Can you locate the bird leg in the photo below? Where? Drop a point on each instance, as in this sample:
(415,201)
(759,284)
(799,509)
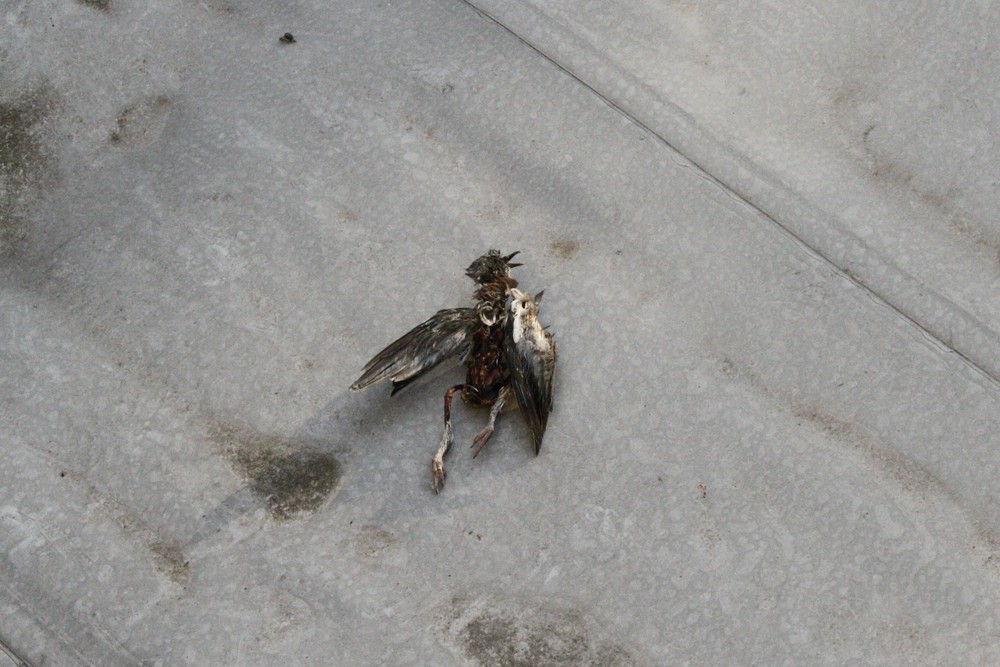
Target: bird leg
(484,436)
(437,465)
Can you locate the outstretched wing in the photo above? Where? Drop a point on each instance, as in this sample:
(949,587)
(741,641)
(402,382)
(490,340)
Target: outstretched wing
(446,334)
(531,367)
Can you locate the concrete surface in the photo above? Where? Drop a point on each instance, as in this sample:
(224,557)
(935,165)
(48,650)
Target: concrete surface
(767,240)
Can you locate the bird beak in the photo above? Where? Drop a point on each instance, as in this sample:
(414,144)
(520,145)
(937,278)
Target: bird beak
(510,257)
(538,297)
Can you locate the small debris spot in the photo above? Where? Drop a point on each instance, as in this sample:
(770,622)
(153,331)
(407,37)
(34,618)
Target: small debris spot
(102,5)
(287,38)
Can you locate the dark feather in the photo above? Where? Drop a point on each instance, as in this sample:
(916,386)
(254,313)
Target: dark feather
(401,385)
(447,334)
(531,378)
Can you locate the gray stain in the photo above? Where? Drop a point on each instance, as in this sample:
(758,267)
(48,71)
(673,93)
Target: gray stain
(102,5)
(141,123)
(289,479)
(22,161)
(499,634)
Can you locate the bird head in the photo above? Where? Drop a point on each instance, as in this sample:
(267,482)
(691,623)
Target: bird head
(490,267)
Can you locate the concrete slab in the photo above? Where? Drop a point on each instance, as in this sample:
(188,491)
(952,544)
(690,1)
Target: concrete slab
(759,453)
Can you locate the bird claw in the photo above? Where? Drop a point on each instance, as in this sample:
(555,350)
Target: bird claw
(480,442)
(437,475)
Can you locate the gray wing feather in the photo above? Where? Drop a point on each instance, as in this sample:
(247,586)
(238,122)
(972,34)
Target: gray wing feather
(446,334)
(531,377)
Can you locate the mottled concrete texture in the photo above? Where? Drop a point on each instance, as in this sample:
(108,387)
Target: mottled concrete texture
(768,240)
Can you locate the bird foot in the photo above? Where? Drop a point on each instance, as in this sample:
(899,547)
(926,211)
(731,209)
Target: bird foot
(480,442)
(437,474)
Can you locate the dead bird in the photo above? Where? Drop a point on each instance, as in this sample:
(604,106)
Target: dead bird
(500,341)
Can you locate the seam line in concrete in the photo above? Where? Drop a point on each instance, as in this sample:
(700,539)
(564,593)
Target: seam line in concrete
(735,194)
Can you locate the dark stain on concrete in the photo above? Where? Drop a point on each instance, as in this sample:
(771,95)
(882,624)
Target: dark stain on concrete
(102,5)
(169,559)
(291,479)
(372,543)
(988,544)
(735,370)
(141,123)
(529,636)
(942,203)
(220,7)
(906,473)
(23,162)
(882,168)
(564,248)
(911,476)
(828,424)
(962,225)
